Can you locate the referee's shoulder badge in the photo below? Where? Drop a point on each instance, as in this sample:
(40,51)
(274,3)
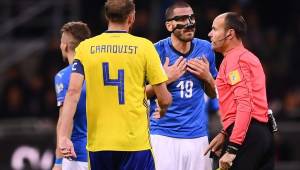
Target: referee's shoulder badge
(234,77)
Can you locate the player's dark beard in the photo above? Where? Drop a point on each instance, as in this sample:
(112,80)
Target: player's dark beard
(179,34)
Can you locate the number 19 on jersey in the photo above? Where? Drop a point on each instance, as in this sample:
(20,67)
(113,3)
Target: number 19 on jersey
(186,88)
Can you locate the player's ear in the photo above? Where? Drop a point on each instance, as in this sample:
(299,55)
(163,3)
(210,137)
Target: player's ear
(231,33)
(169,26)
(131,18)
(65,47)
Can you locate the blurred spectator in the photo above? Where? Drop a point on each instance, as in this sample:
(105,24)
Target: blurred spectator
(13,101)
(291,104)
(35,95)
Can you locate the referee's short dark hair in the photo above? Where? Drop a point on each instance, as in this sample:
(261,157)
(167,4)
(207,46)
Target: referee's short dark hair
(118,10)
(236,22)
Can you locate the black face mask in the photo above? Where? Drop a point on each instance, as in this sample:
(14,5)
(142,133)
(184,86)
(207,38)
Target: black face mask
(185,26)
(182,18)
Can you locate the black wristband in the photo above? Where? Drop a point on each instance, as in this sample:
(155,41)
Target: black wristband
(232,150)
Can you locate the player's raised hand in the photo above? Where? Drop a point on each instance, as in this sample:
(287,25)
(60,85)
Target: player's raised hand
(176,70)
(66,148)
(216,144)
(199,67)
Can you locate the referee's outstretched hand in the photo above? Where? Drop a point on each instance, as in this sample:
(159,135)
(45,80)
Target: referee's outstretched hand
(216,144)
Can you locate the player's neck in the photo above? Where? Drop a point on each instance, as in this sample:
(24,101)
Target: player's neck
(117,27)
(70,57)
(181,46)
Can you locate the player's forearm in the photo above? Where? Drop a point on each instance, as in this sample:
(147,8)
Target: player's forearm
(164,98)
(164,104)
(68,112)
(209,87)
(149,91)
(57,152)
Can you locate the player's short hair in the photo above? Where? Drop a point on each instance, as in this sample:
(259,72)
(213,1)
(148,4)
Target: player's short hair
(236,22)
(118,10)
(79,31)
(170,10)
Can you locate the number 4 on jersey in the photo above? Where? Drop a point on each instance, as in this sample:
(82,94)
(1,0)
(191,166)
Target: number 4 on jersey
(114,82)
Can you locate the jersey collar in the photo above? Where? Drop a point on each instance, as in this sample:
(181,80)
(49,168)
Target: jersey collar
(178,52)
(115,31)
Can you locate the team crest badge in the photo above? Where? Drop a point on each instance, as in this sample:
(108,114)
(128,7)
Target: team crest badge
(234,77)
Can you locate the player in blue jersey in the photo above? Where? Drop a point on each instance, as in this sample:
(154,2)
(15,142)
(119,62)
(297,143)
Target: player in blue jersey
(72,34)
(179,139)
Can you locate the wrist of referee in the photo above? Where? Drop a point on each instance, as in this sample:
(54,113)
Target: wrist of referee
(232,148)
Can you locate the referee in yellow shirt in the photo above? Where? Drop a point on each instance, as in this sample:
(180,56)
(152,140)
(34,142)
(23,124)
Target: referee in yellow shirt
(115,65)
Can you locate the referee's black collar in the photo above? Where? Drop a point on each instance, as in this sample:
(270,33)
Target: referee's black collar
(115,31)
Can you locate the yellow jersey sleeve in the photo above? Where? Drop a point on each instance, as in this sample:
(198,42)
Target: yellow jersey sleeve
(78,52)
(155,73)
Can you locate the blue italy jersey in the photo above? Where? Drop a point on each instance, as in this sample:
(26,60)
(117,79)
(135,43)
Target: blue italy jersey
(186,117)
(79,132)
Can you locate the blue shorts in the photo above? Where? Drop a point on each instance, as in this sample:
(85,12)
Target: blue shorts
(121,160)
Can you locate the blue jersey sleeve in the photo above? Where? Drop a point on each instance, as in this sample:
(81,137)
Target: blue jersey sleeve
(61,88)
(159,46)
(77,67)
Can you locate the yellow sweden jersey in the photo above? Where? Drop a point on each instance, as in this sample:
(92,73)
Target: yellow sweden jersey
(116,66)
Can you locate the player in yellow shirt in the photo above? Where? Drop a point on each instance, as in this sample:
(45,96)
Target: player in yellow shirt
(115,65)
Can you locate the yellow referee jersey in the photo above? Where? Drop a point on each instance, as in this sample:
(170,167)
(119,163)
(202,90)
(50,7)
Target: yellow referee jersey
(116,67)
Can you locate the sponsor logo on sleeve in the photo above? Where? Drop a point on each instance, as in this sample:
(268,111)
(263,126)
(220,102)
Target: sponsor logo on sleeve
(59,87)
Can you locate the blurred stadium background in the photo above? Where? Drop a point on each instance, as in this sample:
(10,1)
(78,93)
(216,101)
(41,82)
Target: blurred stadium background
(30,57)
